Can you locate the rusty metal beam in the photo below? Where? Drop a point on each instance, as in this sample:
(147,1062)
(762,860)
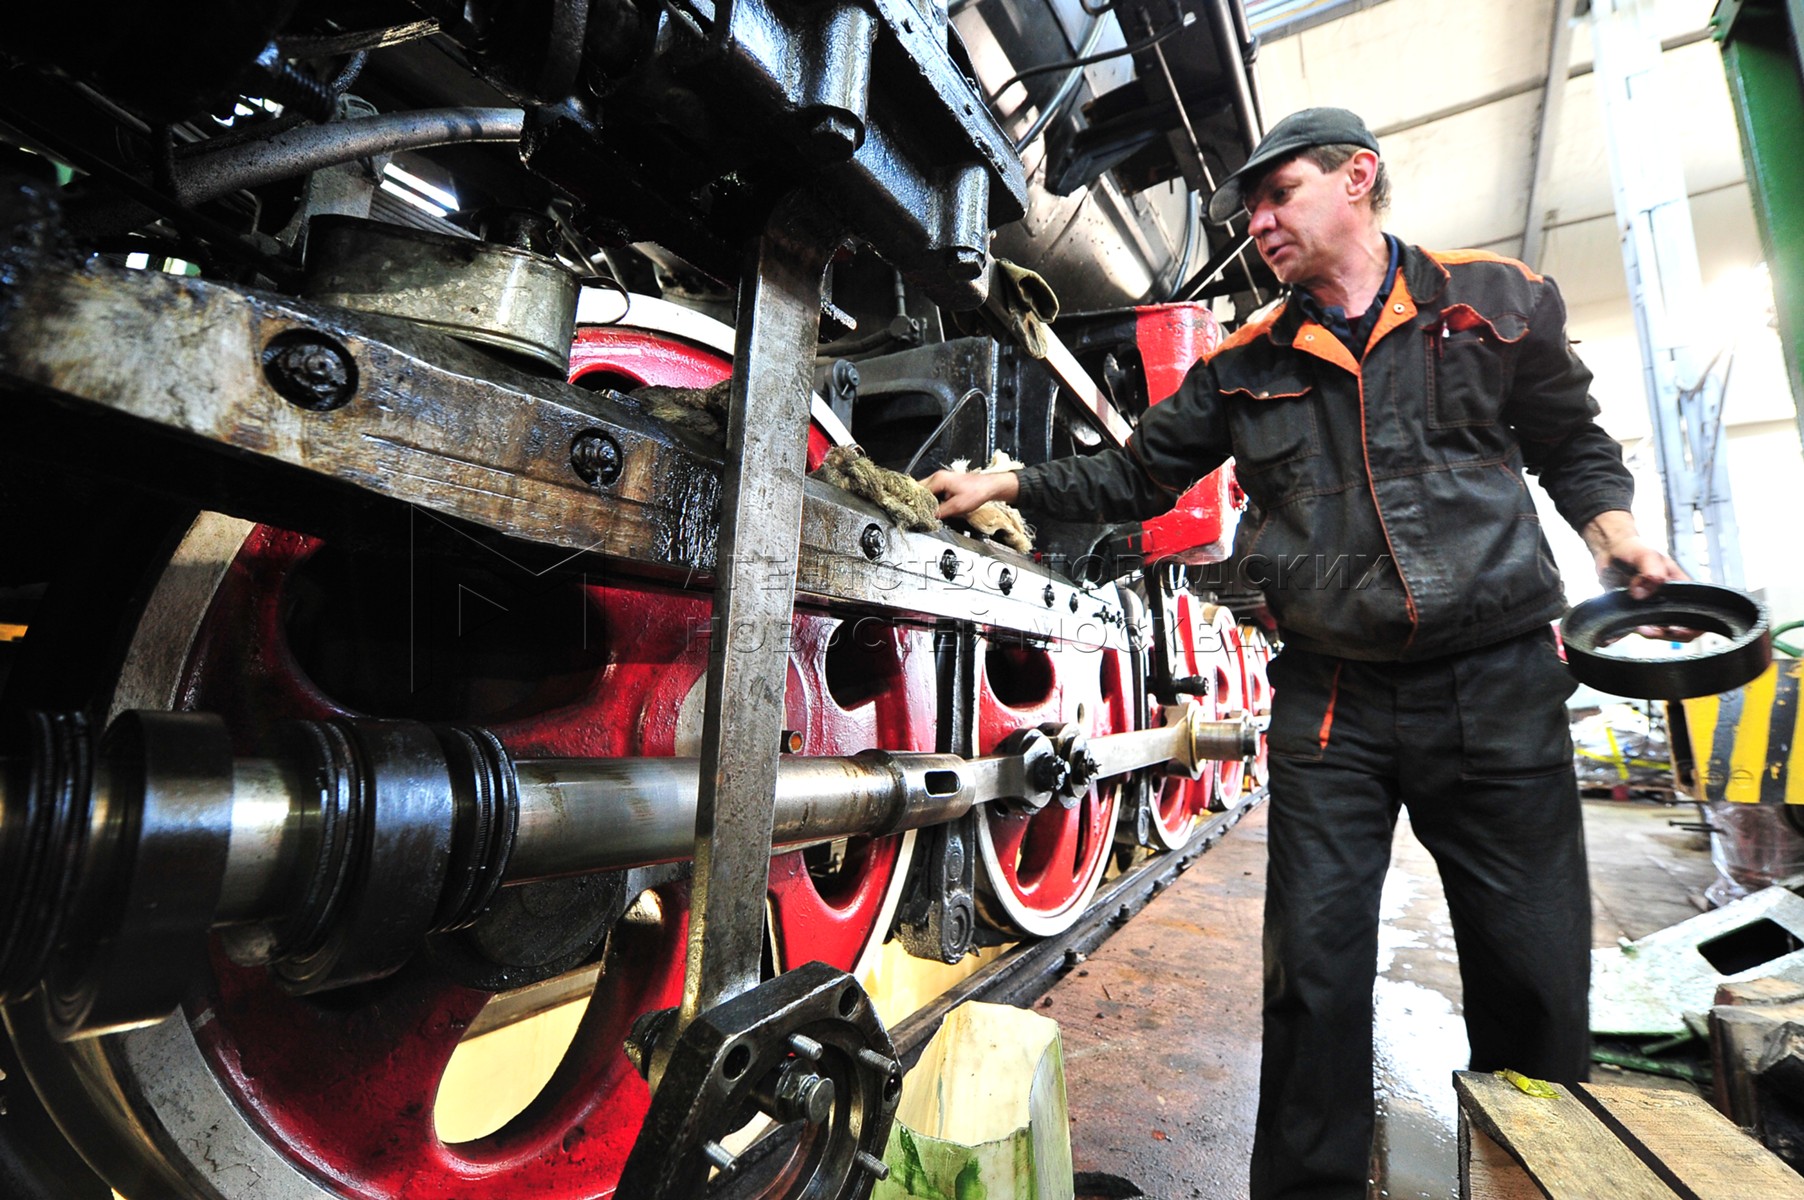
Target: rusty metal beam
(754,597)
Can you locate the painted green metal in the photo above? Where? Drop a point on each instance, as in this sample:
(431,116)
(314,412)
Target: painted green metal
(1760,42)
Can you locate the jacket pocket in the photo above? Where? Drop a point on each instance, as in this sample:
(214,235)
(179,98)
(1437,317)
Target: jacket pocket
(1272,424)
(1305,687)
(1469,364)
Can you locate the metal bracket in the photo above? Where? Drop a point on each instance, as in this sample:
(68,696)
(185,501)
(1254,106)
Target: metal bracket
(938,916)
(754,596)
(805,1049)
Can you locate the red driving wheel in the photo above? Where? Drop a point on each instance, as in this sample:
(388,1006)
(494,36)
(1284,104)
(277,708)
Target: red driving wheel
(1181,801)
(1038,870)
(1256,655)
(333,1095)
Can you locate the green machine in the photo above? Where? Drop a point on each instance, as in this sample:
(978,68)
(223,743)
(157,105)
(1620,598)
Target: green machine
(1760,42)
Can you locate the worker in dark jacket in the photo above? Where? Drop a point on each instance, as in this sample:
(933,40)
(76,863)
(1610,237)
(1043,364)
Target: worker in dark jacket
(1386,410)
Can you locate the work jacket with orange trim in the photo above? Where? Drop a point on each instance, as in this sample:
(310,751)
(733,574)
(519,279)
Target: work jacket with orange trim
(1390,519)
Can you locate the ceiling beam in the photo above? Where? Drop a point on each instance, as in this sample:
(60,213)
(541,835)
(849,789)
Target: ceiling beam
(1282,19)
(1553,99)
(1512,90)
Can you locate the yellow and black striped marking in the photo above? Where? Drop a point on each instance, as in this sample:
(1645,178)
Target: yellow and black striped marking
(1749,734)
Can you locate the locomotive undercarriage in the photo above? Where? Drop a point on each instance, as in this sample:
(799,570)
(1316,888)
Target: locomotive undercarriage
(379,687)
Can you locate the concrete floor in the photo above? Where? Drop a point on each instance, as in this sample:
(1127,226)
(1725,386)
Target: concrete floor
(1161,1025)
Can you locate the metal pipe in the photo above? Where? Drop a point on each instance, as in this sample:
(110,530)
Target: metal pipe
(313,147)
(1221,25)
(1193,219)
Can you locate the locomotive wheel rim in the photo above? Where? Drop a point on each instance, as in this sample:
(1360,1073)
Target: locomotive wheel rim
(1036,872)
(154,1109)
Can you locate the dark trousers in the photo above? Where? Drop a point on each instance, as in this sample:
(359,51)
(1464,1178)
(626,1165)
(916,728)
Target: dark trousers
(1477,746)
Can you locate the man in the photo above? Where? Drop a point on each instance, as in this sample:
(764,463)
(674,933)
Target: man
(1385,411)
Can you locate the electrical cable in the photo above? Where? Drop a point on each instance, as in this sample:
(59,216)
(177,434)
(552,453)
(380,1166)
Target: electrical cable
(347,75)
(1145,43)
(933,437)
(1787,647)
(1067,92)
(1213,269)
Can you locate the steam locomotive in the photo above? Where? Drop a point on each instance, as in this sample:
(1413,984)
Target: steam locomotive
(456,565)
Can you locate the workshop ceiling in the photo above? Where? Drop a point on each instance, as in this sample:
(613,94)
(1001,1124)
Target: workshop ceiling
(1454,90)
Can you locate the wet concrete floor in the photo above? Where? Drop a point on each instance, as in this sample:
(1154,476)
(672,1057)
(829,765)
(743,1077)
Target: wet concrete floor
(1161,1025)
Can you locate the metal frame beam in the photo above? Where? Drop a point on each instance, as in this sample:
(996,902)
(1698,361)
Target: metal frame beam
(1553,101)
(1763,54)
(754,596)
(1659,248)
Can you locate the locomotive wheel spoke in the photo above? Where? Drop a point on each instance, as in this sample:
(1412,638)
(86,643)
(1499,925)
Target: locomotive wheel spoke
(1222,657)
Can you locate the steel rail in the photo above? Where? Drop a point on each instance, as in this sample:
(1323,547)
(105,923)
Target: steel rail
(1029,970)
(1020,975)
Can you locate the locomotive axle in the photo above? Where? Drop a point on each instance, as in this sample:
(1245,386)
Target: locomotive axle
(331,854)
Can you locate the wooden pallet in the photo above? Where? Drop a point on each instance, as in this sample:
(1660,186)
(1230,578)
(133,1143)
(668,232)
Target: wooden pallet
(1607,1142)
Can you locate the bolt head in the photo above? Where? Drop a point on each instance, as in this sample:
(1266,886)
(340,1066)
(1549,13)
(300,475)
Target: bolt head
(596,458)
(834,136)
(310,370)
(871,541)
(804,1095)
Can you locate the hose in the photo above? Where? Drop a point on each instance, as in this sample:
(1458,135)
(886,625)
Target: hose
(1787,647)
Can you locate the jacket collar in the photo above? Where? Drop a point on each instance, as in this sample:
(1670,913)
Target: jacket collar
(1426,277)
(1421,274)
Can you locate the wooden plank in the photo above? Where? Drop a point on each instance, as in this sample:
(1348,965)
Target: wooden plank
(1703,1150)
(1486,1170)
(1563,1147)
